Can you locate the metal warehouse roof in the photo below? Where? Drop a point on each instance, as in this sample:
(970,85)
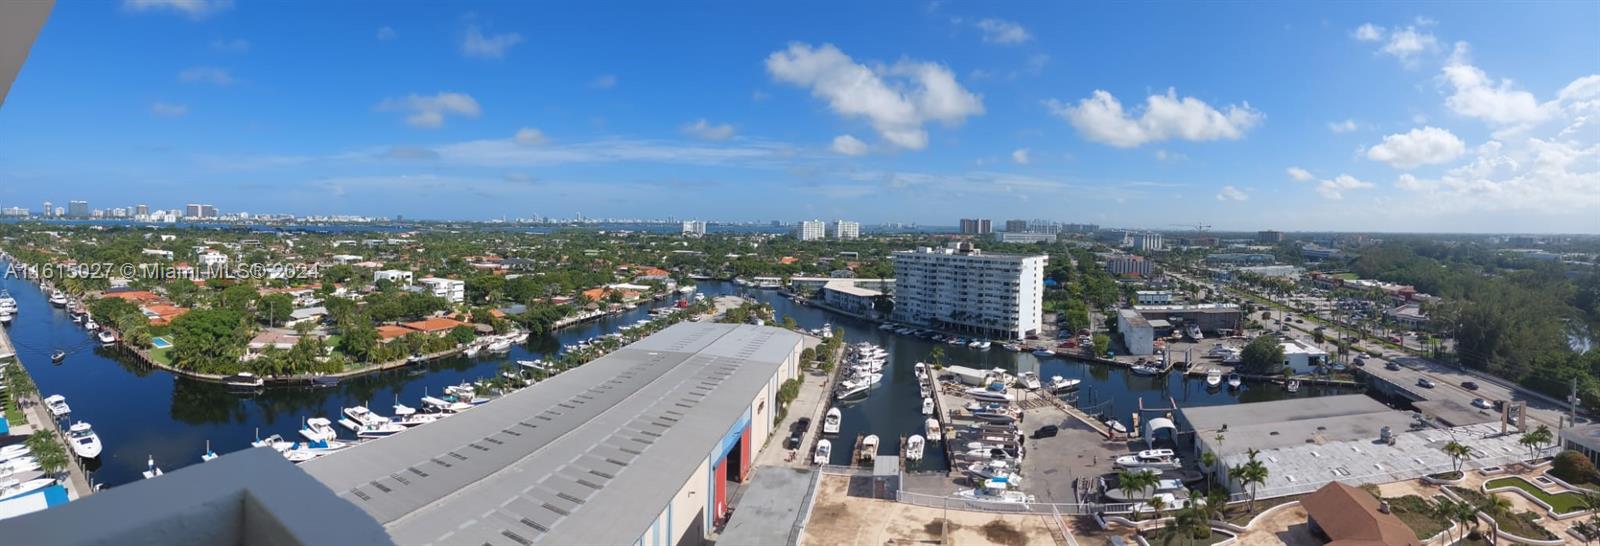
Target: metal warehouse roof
(592,455)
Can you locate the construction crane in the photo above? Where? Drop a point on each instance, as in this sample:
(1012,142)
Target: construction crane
(1198,227)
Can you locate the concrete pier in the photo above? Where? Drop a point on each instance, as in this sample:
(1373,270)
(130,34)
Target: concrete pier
(39,418)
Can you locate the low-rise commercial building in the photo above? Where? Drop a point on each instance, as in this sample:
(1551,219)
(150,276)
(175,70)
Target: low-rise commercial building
(1301,357)
(1239,258)
(1153,297)
(1210,317)
(845,295)
(1024,237)
(1137,333)
(1583,439)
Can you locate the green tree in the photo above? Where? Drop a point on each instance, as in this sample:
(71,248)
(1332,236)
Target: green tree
(1536,439)
(936,354)
(1136,482)
(1573,467)
(1102,345)
(209,340)
(275,309)
(1457,453)
(1263,355)
(359,339)
(1251,475)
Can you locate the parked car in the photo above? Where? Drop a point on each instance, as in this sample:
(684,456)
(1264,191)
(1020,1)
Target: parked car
(1469,385)
(1361,361)
(1047,431)
(803,425)
(1424,383)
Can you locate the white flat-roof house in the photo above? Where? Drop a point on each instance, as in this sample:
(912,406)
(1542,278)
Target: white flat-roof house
(961,288)
(1302,358)
(396,276)
(450,289)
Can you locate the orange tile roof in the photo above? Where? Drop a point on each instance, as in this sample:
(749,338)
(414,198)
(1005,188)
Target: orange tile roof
(389,331)
(434,324)
(655,272)
(786,260)
(595,294)
(137,296)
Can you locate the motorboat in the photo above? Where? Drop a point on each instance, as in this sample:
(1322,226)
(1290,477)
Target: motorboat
(1011,347)
(995,417)
(91,325)
(1234,380)
(1213,377)
(1060,384)
(996,490)
(10,488)
(5,317)
(824,452)
(209,455)
(988,454)
(1168,501)
(994,468)
(306,451)
(499,346)
(58,299)
(243,380)
(914,447)
(445,406)
(57,405)
(1146,369)
(869,448)
(276,442)
(932,430)
(18,465)
(84,441)
(58,356)
(1116,494)
(1193,330)
(471,350)
(927,406)
(419,419)
(367,424)
(1219,351)
(1116,426)
(1029,380)
(150,468)
(535,365)
(985,395)
(1292,386)
(318,429)
(852,389)
(1161,459)
(1043,352)
(13,451)
(324,381)
(106,337)
(831,421)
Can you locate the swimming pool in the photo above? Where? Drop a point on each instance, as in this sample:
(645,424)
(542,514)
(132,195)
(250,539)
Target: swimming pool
(161,343)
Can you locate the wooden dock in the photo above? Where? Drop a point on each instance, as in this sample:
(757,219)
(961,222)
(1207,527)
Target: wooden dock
(77,481)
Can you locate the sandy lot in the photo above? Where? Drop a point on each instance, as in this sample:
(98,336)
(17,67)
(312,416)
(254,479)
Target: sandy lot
(838,518)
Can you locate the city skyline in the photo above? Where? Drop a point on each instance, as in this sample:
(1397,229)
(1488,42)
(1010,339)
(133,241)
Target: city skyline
(1340,118)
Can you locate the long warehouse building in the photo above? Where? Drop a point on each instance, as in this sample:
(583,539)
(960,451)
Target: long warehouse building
(636,447)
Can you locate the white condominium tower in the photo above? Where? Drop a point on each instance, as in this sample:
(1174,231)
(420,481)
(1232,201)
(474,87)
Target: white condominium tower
(845,229)
(960,288)
(694,227)
(813,230)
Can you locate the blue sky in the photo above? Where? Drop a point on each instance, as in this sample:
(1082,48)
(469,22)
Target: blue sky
(1299,116)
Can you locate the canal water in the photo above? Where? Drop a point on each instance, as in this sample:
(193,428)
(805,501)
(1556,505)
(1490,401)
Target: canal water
(141,412)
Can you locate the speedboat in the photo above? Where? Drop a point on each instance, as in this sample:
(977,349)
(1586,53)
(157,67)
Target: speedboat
(1146,369)
(927,406)
(209,455)
(996,490)
(996,417)
(17,465)
(1060,384)
(1116,426)
(1043,352)
(500,346)
(84,441)
(1162,459)
(150,468)
(58,356)
(243,380)
(5,317)
(1193,329)
(824,452)
(931,427)
(444,406)
(1213,377)
(306,451)
(985,395)
(419,419)
(13,451)
(1162,485)
(58,299)
(366,424)
(1293,386)
(106,337)
(276,442)
(990,469)
(1029,380)
(1234,380)
(318,429)
(1011,347)
(12,488)
(869,448)
(914,447)
(57,405)
(91,325)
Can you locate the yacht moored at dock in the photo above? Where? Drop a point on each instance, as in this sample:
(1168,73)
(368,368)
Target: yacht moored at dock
(85,442)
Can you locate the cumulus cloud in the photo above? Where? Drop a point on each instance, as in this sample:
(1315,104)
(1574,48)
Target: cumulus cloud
(429,112)
(205,74)
(1425,146)
(530,136)
(1368,32)
(1535,175)
(1335,187)
(478,45)
(1001,31)
(1163,155)
(848,145)
(1406,44)
(386,33)
(194,9)
(1020,156)
(1299,174)
(707,130)
(1100,118)
(1477,95)
(1230,193)
(1342,126)
(168,109)
(603,81)
(896,99)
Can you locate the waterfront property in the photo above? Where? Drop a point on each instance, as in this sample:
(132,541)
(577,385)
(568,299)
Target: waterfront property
(1138,335)
(844,295)
(1348,516)
(1210,317)
(964,289)
(1583,439)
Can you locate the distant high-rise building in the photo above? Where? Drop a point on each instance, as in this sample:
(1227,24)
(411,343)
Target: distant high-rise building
(1269,236)
(776,223)
(1129,266)
(975,226)
(694,228)
(812,230)
(845,229)
(59,212)
(1043,226)
(78,209)
(48,210)
(191,210)
(1148,241)
(1016,226)
(142,210)
(14,211)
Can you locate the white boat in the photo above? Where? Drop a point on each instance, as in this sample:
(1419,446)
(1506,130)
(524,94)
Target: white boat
(1116,426)
(927,406)
(996,490)
(150,468)
(12,488)
(276,442)
(869,448)
(824,452)
(5,317)
(445,406)
(1219,351)
(1234,380)
(990,469)
(914,447)
(500,346)
(535,365)
(1043,352)
(920,370)
(1060,384)
(306,451)
(986,395)
(58,299)
(84,440)
(1293,386)
(419,419)
(13,451)
(1029,380)
(243,380)
(1163,459)
(402,410)
(1213,377)
(367,424)
(318,429)
(996,417)
(57,405)
(18,465)
(106,337)
(91,325)
(1161,486)
(1193,329)
(1146,369)
(931,427)
(209,455)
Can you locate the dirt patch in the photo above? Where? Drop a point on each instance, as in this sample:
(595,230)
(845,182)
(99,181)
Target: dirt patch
(937,527)
(1000,532)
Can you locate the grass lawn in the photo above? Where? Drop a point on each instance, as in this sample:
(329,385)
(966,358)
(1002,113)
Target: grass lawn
(1163,538)
(1562,503)
(164,356)
(1517,524)
(1240,513)
(1347,276)
(1416,512)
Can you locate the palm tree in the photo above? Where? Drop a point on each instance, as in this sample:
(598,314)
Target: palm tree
(1536,439)
(1156,504)
(1131,482)
(1208,461)
(1251,475)
(936,354)
(1457,453)
(1495,505)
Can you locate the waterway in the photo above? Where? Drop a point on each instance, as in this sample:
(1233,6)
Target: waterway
(140,412)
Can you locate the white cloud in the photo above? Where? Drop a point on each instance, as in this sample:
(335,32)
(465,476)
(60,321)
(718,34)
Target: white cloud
(848,145)
(168,110)
(1406,44)
(1425,146)
(604,81)
(1001,31)
(1478,96)
(1335,187)
(430,112)
(530,136)
(1368,32)
(1230,193)
(1101,118)
(1020,156)
(707,130)
(477,45)
(1342,126)
(238,45)
(195,9)
(1533,175)
(1163,155)
(206,74)
(386,33)
(897,99)
(1299,174)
